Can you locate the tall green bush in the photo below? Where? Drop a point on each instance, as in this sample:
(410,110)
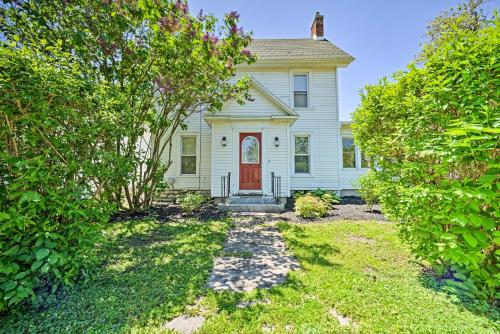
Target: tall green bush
(53,164)
(91,94)
(163,61)
(369,189)
(433,132)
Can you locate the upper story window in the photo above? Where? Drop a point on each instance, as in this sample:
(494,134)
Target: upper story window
(188,154)
(300,90)
(302,154)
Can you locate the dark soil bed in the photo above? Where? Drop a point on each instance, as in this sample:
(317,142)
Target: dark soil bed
(350,208)
(169,212)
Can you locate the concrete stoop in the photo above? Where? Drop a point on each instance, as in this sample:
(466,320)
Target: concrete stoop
(252,204)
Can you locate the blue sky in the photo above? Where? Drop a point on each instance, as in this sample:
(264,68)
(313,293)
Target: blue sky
(383,35)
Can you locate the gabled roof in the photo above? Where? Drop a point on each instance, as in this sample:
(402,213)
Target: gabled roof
(273,98)
(298,49)
(288,113)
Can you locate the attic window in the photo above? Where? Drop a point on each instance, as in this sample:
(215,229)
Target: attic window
(300,86)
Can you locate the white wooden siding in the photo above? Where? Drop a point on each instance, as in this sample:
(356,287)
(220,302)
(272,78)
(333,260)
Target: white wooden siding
(319,120)
(201,180)
(226,159)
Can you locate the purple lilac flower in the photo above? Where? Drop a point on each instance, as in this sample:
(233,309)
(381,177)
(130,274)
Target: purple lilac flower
(201,17)
(234,14)
(214,39)
(246,52)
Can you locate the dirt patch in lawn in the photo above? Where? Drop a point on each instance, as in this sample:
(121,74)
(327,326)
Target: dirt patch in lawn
(169,212)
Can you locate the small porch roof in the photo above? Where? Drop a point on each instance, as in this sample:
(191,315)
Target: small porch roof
(288,113)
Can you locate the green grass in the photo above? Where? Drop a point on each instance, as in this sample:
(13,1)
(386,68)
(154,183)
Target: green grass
(151,272)
(373,283)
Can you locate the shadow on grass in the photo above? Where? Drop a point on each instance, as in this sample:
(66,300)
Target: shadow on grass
(438,283)
(147,275)
(310,253)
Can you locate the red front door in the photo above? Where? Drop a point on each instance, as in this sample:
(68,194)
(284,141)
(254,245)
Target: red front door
(251,161)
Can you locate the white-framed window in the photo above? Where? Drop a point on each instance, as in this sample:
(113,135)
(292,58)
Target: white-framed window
(348,153)
(188,154)
(300,90)
(352,156)
(302,154)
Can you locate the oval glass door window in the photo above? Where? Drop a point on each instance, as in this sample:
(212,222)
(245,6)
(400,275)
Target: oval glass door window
(250,150)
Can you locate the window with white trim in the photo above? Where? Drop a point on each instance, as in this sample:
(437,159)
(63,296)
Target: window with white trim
(302,154)
(348,153)
(300,91)
(188,155)
(352,156)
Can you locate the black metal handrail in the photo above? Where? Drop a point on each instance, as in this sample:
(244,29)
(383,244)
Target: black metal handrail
(225,185)
(275,185)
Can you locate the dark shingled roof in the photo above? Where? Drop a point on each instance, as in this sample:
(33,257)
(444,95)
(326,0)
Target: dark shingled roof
(298,48)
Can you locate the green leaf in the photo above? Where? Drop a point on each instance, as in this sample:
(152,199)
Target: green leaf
(45,268)
(42,253)
(470,240)
(30,196)
(53,258)
(22,275)
(23,292)
(36,265)
(9,285)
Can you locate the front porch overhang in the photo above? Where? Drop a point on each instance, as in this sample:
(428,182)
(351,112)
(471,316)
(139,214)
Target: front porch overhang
(212,119)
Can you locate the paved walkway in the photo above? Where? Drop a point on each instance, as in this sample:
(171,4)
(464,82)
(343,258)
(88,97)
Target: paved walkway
(254,256)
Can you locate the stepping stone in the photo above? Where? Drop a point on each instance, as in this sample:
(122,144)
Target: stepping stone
(343,321)
(245,304)
(184,324)
(267,266)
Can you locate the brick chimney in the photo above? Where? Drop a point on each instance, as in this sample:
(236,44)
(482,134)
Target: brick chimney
(317,27)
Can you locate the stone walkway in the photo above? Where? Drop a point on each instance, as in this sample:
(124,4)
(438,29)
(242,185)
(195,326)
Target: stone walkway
(254,256)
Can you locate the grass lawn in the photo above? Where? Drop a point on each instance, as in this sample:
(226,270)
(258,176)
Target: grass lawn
(151,272)
(363,271)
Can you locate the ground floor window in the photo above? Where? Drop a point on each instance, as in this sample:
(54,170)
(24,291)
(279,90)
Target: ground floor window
(348,153)
(188,154)
(302,154)
(352,156)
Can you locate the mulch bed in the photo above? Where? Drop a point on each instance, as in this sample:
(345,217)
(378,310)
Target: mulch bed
(350,208)
(169,212)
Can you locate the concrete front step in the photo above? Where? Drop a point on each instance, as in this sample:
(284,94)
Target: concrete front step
(266,208)
(250,200)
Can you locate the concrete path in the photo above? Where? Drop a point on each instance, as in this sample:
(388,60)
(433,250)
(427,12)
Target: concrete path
(254,256)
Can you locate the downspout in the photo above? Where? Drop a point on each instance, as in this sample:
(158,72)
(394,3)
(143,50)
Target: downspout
(338,130)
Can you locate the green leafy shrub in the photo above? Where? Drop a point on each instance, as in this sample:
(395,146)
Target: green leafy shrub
(434,132)
(309,206)
(326,195)
(46,232)
(55,172)
(369,188)
(191,201)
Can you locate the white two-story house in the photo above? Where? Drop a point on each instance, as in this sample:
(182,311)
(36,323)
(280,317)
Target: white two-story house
(289,138)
